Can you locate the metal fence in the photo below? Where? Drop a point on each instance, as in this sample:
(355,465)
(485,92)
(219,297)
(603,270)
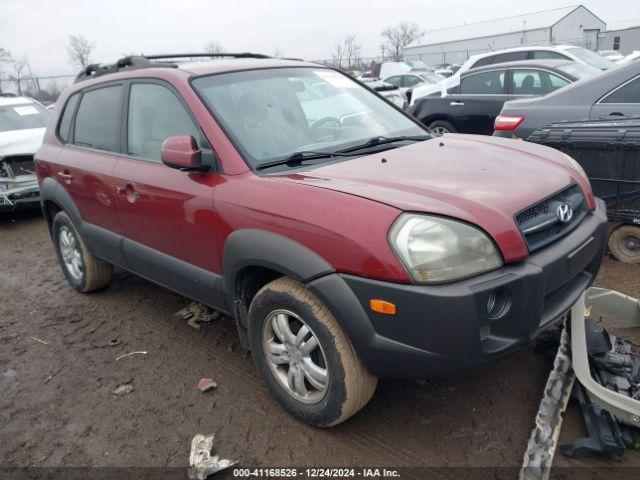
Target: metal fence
(43,88)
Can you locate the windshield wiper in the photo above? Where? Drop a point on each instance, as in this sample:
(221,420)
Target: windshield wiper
(296,159)
(375,141)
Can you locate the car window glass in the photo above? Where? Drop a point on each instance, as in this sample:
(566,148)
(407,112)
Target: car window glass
(21,115)
(509,57)
(155,113)
(67,116)
(483,62)
(547,55)
(629,93)
(536,82)
(98,118)
(411,81)
(485,83)
(397,81)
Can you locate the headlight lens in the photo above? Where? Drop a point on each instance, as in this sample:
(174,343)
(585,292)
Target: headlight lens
(437,250)
(578,168)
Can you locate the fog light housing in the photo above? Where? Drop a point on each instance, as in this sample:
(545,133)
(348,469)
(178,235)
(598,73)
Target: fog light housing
(498,304)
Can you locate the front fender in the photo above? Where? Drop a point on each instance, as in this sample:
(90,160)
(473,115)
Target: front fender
(260,248)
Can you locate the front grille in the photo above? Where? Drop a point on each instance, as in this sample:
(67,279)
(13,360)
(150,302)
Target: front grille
(540,224)
(17,165)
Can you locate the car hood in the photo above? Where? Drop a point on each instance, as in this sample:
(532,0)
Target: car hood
(478,179)
(21,142)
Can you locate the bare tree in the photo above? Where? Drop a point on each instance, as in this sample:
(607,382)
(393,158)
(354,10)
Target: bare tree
(352,51)
(214,47)
(5,57)
(20,73)
(79,50)
(338,54)
(398,37)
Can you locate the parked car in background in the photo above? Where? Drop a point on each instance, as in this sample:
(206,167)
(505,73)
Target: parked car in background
(611,94)
(611,55)
(389,91)
(632,57)
(22,127)
(347,247)
(406,82)
(554,52)
(472,106)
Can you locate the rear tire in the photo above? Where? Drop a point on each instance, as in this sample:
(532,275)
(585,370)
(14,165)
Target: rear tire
(624,244)
(440,127)
(328,399)
(83,270)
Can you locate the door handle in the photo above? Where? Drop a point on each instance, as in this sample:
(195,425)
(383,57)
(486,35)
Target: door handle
(456,104)
(613,114)
(66,176)
(129,191)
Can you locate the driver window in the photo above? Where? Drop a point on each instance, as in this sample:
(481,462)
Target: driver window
(155,113)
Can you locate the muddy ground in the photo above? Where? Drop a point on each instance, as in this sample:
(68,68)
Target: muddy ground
(58,371)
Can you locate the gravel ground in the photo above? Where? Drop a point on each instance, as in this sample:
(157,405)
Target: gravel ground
(58,372)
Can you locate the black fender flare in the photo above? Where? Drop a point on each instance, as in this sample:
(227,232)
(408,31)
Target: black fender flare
(51,190)
(260,248)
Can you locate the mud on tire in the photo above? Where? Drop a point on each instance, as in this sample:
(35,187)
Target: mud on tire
(94,273)
(348,386)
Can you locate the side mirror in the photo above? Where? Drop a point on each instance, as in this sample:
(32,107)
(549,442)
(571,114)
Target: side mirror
(181,152)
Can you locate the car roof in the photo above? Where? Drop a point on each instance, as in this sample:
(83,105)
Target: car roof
(11,100)
(222,65)
(549,64)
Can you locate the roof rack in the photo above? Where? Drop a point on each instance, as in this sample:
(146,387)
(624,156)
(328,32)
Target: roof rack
(135,62)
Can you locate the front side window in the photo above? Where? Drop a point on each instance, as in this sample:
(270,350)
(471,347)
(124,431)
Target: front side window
(271,114)
(155,113)
(397,81)
(67,117)
(536,82)
(22,116)
(411,81)
(485,83)
(628,93)
(98,119)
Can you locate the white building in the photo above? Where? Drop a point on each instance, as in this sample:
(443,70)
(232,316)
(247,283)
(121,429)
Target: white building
(569,25)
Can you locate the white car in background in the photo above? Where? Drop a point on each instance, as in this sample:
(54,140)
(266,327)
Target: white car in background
(611,55)
(408,81)
(551,52)
(633,56)
(23,122)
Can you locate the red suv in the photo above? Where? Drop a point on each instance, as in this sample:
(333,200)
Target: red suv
(348,242)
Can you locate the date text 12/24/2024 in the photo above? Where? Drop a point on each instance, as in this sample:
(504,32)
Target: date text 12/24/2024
(315,473)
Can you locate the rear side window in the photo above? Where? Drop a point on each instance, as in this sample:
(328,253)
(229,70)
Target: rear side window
(509,57)
(411,81)
(485,83)
(629,93)
(155,114)
(397,81)
(98,119)
(536,82)
(65,123)
(546,55)
(483,62)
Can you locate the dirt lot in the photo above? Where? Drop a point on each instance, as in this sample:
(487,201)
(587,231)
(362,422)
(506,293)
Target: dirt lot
(74,419)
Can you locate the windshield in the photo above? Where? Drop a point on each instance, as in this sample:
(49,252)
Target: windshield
(431,77)
(579,70)
(21,116)
(591,58)
(271,114)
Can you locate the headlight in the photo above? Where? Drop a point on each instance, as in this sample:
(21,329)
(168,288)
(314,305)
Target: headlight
(578,168)
(437,250)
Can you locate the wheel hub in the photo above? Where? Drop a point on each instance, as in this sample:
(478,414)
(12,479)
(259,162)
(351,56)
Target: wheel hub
(70,253)
(295,356)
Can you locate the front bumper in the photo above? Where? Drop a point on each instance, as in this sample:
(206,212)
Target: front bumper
(444,330)
(18,193)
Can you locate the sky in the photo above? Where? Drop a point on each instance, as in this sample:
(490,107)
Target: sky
(309,29)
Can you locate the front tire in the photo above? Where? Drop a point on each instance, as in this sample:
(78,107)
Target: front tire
(624,243)
(83,270)
(304,356)
(440,127)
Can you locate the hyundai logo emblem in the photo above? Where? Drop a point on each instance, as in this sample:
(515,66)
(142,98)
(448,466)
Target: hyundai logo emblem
(564,213)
